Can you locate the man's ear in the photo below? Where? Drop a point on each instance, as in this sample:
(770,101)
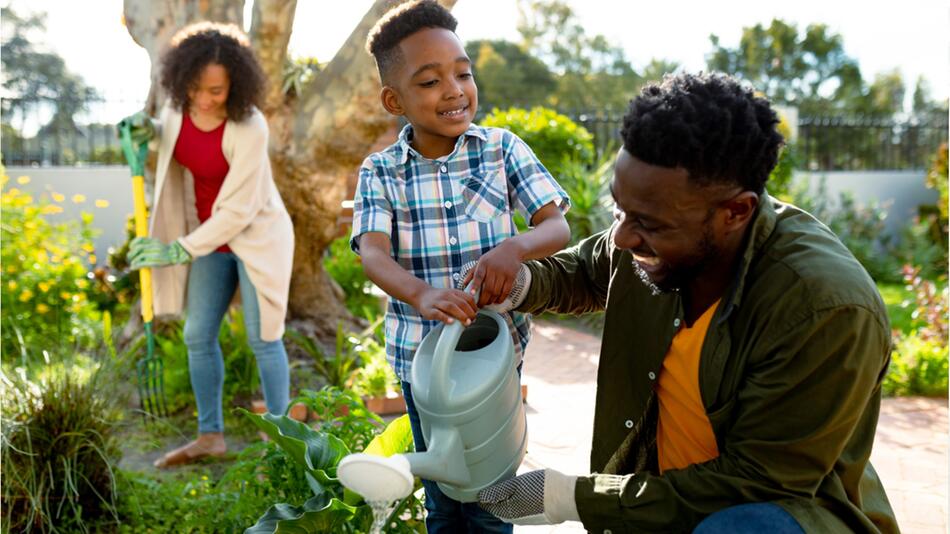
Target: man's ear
(391,101)
(739,210)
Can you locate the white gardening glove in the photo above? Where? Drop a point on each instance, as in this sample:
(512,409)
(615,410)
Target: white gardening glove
(518,291)
(543,497)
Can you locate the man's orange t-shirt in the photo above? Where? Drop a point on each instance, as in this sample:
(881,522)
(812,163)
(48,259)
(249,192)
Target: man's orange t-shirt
(684,435)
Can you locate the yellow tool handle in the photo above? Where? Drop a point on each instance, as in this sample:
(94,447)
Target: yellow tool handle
(141,230)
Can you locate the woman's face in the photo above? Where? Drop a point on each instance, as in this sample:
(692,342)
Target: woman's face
(209,93)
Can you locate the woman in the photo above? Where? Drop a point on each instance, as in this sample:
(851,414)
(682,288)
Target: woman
(218,222)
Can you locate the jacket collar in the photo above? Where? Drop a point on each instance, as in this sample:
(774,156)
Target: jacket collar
(762,227)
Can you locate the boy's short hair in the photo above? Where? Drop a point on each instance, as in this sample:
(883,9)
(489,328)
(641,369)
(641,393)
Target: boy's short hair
(401,22)
(709,124)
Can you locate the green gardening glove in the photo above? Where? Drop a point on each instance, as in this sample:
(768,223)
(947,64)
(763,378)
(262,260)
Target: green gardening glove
(150,252)
(142,127)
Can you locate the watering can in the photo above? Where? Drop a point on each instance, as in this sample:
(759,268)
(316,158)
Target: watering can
(466,389)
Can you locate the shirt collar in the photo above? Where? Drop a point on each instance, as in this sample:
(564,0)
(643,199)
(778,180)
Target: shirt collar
(404,147)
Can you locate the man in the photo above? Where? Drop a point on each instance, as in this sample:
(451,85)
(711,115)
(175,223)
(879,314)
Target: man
(743,348)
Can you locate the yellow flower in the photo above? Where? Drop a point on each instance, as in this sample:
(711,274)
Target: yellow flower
(79,198)
(82,284)
(51,209)
(23,180)
(13,191)
(58,197)
(65,295)
(204,477)
(92,259)
(101,203)
(42,308)
(11,269)
(25,295)
(44,286)
(193,493)
(88,247)
(11,285)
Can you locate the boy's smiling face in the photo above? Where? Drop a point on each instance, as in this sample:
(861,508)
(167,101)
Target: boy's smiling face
(434,88)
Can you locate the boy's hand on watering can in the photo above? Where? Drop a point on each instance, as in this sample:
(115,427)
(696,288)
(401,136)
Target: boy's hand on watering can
(446,305)
(495,273)
(516,293)
(142,128)
(149,252)
(543,497)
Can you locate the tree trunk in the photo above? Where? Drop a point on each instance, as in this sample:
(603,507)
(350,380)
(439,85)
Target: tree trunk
(318,138)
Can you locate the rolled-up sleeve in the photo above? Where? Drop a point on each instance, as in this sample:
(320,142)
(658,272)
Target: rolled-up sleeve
(531,186)
(372,209)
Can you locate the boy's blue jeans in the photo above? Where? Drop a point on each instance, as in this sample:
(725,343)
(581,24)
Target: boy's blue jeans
(445,515)
(211,284)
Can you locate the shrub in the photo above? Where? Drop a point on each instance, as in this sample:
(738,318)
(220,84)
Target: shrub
(58,451)
(554,138)
(43,291)
(780,180)
(346,268)
(376,378)
(589,191)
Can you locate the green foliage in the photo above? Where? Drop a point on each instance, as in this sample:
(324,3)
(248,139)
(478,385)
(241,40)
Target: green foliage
(555,139)
(298,73)
(346,268)
(43,291)
(331,509)
(919,361)
(376,378)
(341,413)
(900,310)
(58,451)
(507,75)
(340,368)
(589,190)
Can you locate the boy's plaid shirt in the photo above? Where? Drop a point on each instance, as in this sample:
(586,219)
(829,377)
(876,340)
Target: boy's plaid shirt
(441,214)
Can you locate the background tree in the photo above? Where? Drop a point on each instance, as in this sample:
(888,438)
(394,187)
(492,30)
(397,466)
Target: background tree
(811,71)
(34,78)
(321,128)
(509,76)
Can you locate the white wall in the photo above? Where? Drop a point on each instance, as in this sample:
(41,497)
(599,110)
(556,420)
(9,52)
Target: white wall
(904,190)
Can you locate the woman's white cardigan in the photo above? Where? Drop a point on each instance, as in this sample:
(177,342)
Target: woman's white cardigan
(248,215)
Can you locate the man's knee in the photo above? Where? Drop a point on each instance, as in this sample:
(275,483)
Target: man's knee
(751,518)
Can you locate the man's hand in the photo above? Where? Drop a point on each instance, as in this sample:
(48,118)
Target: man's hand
(544,497)
(495,273)
(149,252)
(446,305)
(142,127)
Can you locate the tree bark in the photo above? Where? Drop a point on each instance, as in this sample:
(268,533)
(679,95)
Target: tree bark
(317,138)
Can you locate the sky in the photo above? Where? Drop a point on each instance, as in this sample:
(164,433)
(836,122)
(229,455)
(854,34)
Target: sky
(911,35)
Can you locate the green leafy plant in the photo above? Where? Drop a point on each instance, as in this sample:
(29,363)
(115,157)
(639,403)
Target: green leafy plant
(341,413)
(58,451)
(42,293)
(919,361)
(555,139)
(340,368)
(346,268)
(589,190)
(376,378)
(331,508)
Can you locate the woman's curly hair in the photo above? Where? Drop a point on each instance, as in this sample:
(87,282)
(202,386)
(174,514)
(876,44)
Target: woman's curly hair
(204,43)
(709,124)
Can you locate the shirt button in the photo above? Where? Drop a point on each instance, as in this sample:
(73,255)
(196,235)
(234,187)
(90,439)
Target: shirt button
(652,375)
(456,276)
(444,168)
(448,205)
(676,323)
(607,531)
(628,423)
(452,240)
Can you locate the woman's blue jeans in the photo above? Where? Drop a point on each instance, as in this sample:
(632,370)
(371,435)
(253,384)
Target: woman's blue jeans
(211,284)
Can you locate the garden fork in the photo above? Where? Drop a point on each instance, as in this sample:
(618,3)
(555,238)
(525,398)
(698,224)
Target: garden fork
(150,370)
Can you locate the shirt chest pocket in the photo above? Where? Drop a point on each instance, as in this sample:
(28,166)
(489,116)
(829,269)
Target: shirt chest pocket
(485,195)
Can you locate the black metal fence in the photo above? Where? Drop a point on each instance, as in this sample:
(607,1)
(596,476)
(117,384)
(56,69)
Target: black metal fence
(823,143)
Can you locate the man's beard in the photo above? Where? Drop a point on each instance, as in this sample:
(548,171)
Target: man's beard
(679,276)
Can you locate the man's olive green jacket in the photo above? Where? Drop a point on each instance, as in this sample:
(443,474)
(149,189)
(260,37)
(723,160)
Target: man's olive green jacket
(790,376)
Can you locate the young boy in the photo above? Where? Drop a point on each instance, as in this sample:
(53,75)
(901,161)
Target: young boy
(439,198)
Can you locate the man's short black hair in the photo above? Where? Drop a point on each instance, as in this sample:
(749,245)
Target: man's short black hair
(709,124)
(399,23)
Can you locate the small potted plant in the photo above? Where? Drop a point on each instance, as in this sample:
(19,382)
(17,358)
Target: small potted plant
(377,383)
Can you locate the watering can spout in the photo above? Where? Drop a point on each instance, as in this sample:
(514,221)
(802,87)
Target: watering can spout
(443,461)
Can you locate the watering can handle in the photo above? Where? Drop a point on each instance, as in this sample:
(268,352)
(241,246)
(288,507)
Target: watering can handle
(136,160)
(444,351)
